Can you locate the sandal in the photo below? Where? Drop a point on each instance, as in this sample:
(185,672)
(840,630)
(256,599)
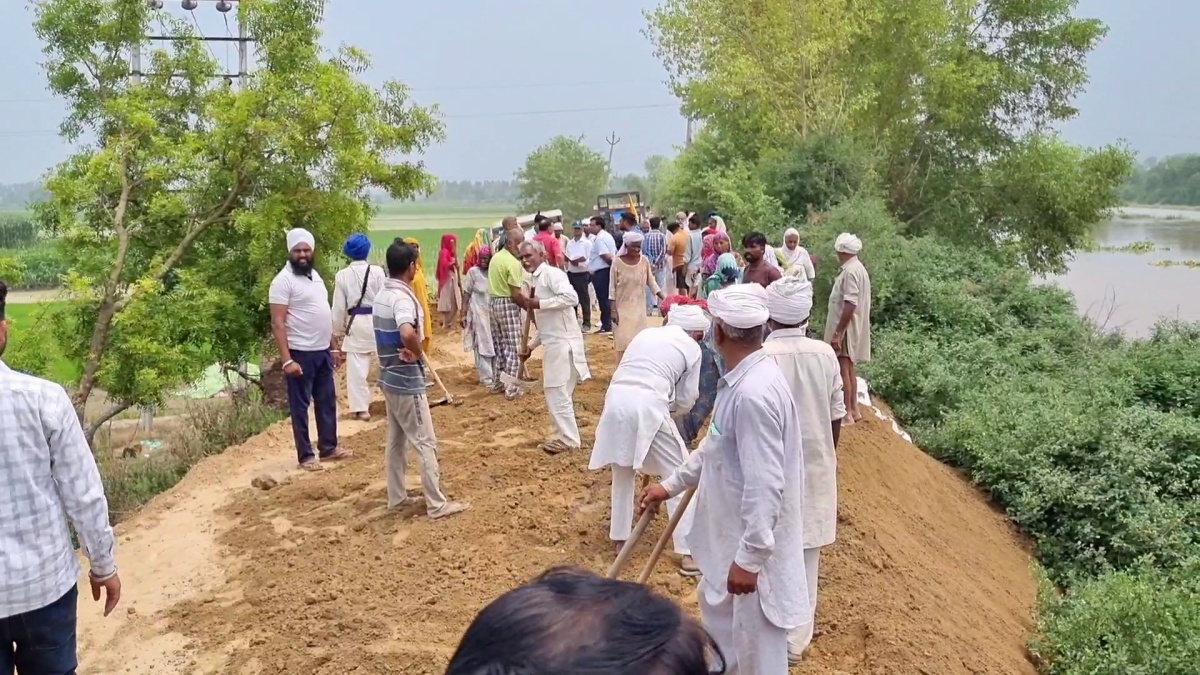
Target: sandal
(553,447)
(338,455)
(311,465)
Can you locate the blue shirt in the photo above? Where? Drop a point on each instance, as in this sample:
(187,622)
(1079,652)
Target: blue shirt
(654,247)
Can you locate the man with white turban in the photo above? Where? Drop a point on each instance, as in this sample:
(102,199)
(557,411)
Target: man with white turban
(302,325)
(848,324)
(747,536)
(814,376)
(796,260)
(660,373)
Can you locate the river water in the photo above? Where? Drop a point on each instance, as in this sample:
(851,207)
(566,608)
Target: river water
(1125,290)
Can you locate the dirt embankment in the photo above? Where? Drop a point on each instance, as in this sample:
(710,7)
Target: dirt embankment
(316,577)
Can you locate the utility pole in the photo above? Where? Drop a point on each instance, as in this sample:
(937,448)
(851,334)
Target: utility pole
(243,71)
(612,144)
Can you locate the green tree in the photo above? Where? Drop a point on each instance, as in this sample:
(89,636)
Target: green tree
(173,218)
(562,174)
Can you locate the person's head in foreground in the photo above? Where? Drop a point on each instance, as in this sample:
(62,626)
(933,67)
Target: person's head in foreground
(568,621)
(681,311)
(533,254)
(754,247)
(632,243)
(789,303)
(847,246)
(739,315)
(300,243)
(3,320)
(628,221)
(401,261)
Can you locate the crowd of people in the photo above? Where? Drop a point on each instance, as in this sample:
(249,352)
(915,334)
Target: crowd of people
(731,363)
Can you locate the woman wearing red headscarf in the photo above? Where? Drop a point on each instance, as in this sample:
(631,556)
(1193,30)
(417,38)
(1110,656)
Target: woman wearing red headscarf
(449,292)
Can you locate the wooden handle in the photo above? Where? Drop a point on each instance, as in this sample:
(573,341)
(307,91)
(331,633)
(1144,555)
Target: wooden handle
(521,372)
(627,550)
(665,536)
(437,378)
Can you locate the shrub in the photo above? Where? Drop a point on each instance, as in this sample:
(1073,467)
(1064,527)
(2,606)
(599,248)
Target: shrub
(41,266)
(17,231)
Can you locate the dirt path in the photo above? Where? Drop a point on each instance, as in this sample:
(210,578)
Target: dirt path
(315,576)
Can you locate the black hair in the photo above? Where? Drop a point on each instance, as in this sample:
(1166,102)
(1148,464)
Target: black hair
(754,239)
(3,298)
(694,220)
(597,220)
(400,256)
(544,224)
(655,222)
(627,216)
(672,226)
(570,621)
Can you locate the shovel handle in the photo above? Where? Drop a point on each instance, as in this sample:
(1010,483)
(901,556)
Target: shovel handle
(614,570)
(436,378)
(665,536)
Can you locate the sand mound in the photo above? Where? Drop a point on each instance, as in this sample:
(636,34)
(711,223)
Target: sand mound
(315,576)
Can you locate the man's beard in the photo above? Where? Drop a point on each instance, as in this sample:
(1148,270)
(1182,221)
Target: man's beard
(301,267)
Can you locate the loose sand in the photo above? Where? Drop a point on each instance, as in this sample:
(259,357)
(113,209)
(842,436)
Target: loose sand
(316,577)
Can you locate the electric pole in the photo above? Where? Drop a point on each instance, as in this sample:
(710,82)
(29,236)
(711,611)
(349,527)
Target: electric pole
(612,144)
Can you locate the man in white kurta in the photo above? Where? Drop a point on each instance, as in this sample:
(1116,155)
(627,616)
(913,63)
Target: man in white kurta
(659,374)
(564,364)
(812,372)
(748,474)
(354,290)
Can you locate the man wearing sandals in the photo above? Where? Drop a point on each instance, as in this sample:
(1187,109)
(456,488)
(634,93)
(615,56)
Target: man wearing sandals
(399,322)
(564,363)
(302,325)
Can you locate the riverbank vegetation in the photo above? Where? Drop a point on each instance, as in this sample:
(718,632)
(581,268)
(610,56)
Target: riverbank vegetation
(916,126)
(1166,181)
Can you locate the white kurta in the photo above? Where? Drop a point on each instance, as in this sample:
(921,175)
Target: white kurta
(749,475)
(557,329)
(477,335)
(799,262)
(359,343)
(812,373)
(659,371)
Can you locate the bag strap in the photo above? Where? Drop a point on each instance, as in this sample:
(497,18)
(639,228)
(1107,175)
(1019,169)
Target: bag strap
(362,295)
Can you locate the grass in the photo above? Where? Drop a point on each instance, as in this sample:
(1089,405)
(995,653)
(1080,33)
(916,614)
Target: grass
(439,217)
(429,240)
(62,369)
(209,430)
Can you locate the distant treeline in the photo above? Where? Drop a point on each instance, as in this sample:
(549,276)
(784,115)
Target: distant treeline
(1173,180)
(474,192)
(21,195)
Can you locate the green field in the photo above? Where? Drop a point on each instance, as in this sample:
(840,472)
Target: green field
(21,316)
(438,217)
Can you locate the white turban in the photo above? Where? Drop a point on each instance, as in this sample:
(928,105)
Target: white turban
(632,238)
(740,305)
(847,243)
(300,236)
(688,317)
(790,300)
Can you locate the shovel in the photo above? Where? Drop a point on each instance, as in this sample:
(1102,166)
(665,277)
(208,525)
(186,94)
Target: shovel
(449,400)
(614,570)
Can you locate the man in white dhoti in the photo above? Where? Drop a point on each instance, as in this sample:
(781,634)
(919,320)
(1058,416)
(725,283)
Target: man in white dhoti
(748,473)
(564,363)
(812,372)
(659,374)
(354,289)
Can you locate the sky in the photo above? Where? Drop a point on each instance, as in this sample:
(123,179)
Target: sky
(508,76)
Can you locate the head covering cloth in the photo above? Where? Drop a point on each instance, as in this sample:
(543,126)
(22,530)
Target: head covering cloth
(447,259)
(740,306)
(299,235)
(688,317)
(848,243)
(357,246)
(726,273)
(420,286)
(790,300)
(471,255)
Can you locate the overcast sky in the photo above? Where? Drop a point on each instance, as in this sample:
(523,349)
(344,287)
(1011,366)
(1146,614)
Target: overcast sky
(586,67)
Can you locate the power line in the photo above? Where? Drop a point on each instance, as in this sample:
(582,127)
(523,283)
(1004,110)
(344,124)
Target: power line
(514,113)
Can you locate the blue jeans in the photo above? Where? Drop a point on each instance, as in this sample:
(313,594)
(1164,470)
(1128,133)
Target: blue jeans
(41,642)
(600,280)
(313,386)
(660,277)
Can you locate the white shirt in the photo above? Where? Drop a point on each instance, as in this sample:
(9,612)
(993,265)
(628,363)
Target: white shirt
(578,248)
(659,371)
(309,317)
(557,329)
(812,372)
(602,243)
(47,476)
(799,262)
(347,287)
(749,500)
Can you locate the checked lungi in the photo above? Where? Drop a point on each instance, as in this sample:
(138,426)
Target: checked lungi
(506,339)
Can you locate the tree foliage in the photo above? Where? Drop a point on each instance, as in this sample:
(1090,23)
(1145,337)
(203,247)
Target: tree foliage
(562,174)
(173,218)
(1171,180)
(944,95)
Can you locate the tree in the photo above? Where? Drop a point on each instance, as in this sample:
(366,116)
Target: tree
(173,219)
(562,174)
(942,93)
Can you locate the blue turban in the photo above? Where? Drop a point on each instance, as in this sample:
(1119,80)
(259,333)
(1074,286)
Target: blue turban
(357,246)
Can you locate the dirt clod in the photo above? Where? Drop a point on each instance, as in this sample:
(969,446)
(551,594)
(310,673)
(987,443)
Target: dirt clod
(264,482)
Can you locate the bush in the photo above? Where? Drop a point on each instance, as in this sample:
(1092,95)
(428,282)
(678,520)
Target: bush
(17,231)
(210,429)
(42,266)
(1139,622)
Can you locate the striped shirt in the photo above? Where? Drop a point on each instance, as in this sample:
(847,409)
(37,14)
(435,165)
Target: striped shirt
(394,306)
(654,247)
(48,477)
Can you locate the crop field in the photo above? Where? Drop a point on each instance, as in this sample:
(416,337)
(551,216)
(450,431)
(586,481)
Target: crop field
(62,369)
